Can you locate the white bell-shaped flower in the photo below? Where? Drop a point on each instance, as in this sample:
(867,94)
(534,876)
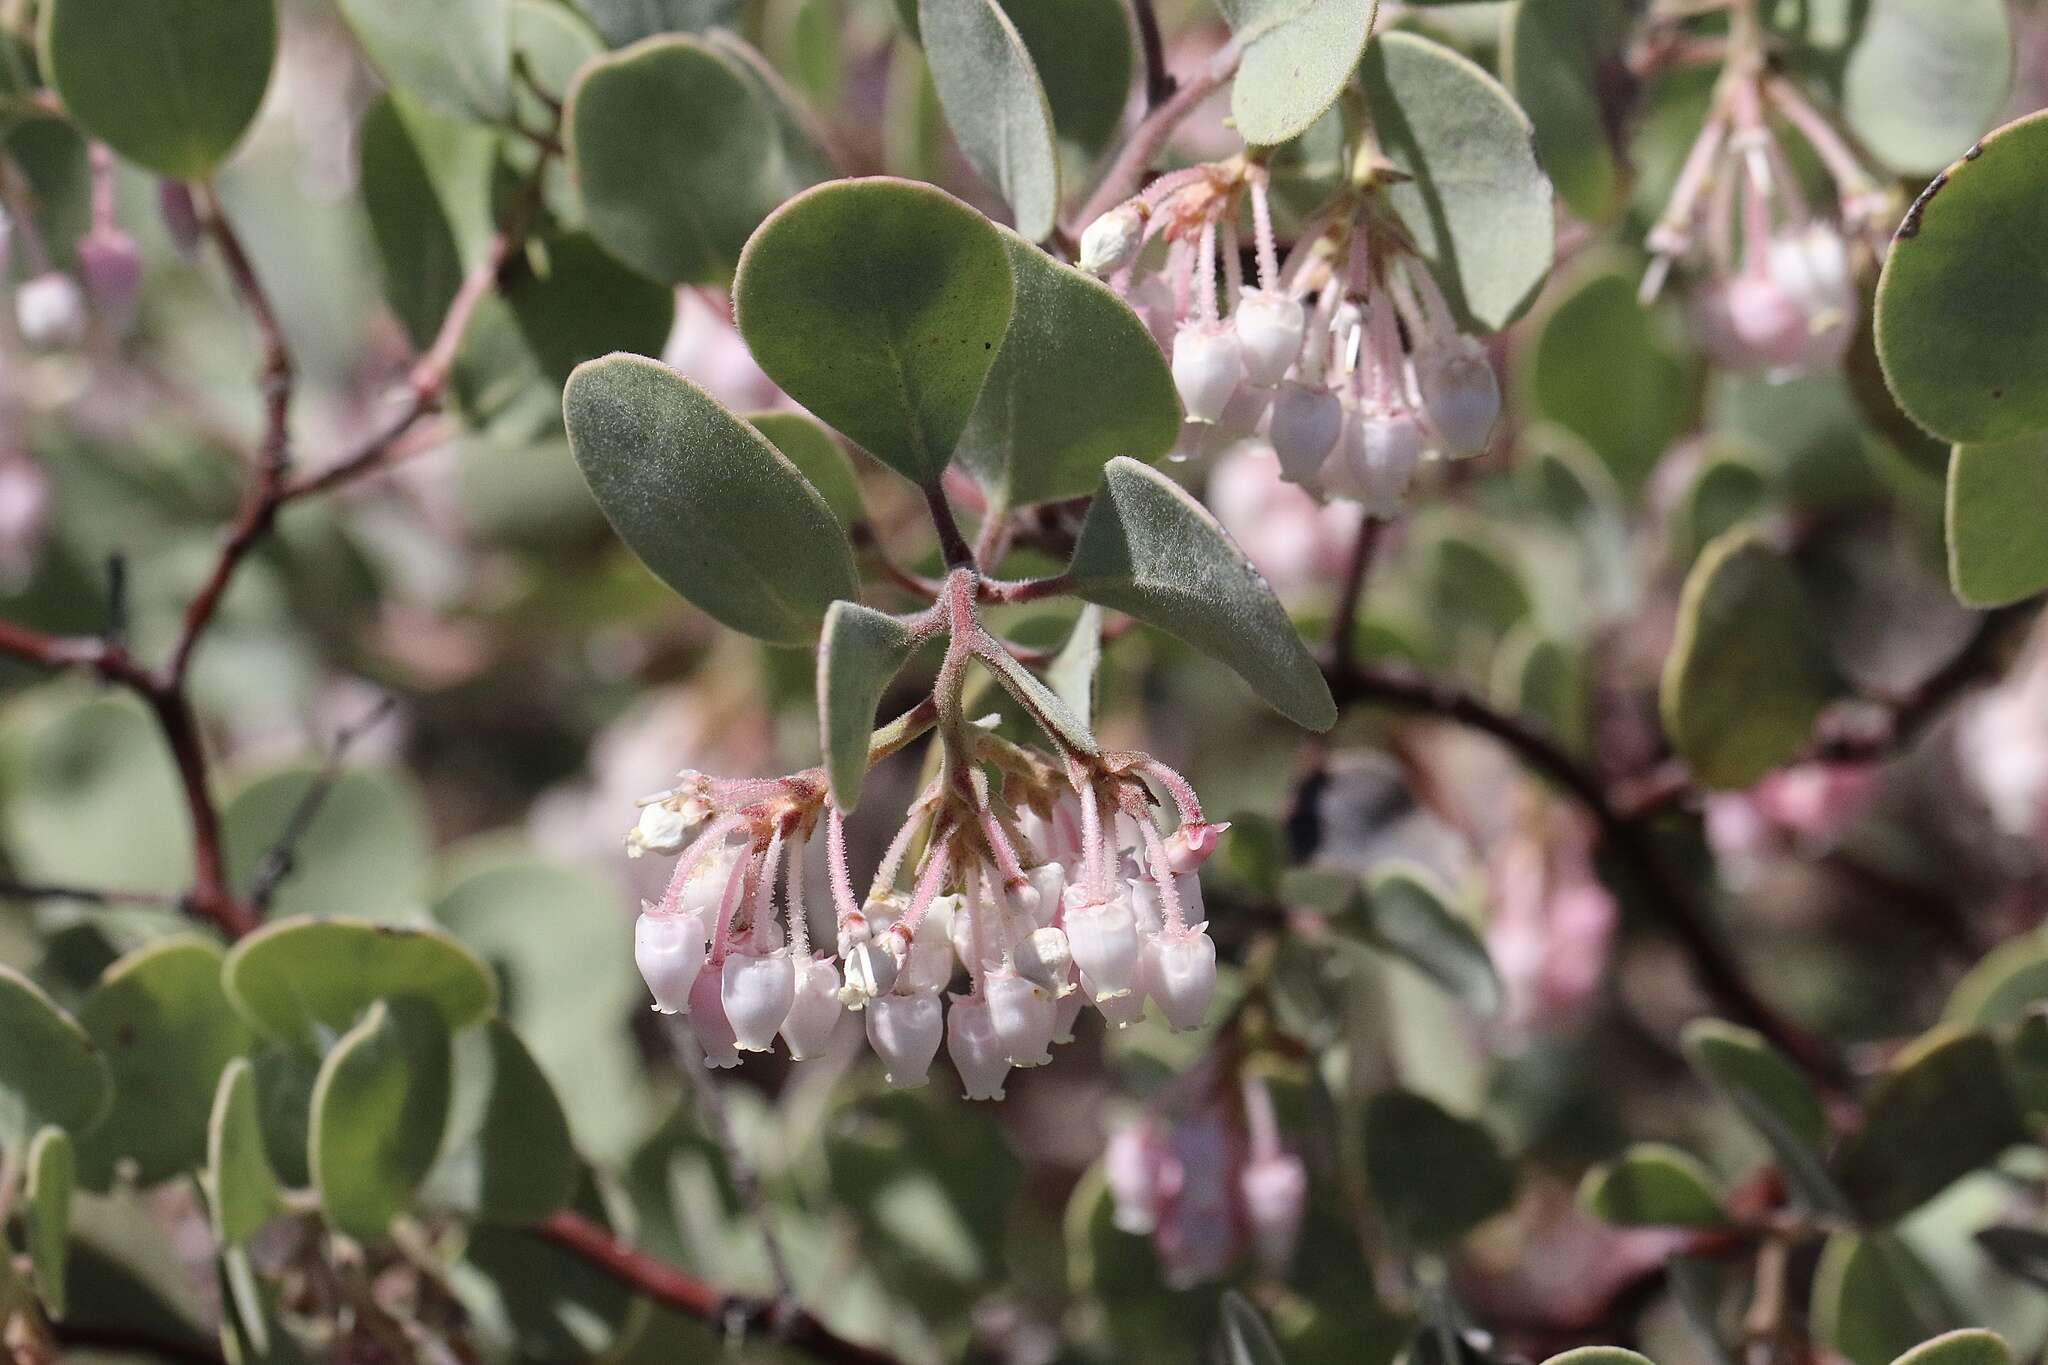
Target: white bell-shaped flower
(928,962)
(1133,1162)
(758,989)
(704,890)
(1768,326)
(1066,1011)
(1275,1190)
(50,310)
(1104,937)
(1376,461)
(708,1021)
(659,830)
(814,1009)
(1270,326)
(1179,971)
(111,268)
(976,1049)
(1208,365)
(1145,905)
(1023,1015)
(669,951)
(904,1031)
(1048,881)
(1460,394)
(1119,1010)
(1045,959)
(1307,420)
(870,972)
(1111,242)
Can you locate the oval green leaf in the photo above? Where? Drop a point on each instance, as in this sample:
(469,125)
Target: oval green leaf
(1652,1185)
(1553,55)
(1601,368)
(1434,1176)
(426,183)
(806,443)
(379,1110)
(455,54)
(861,652)
(1079,380)
(1082,52)
(988,87)
(574,302)
(52,1176)
(1873,1297)
(879,305)
(240,1186)
(1408,914)
(708,503)
(368,818)
(1970,1346)
(1598,1355)
(1479,205)
(1747,675)
(305,982)
(678,158)
(1942,1110)
(1293,70)
(507,1156)
(1962,317)
(166,1029)
(1771,1095)
(1996,550)
(50,1073)
(1150,550)
(1925,78)
(169,84)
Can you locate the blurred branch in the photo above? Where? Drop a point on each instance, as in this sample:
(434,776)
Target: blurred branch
(16,890)
(1159,82)
(777,1319)
(1631,842)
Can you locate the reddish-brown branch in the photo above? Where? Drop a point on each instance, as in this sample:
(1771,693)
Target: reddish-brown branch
(783,1322)
(1150,137)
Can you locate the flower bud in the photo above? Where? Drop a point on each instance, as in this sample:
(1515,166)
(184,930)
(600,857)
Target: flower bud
(1044,958)
(1275,1190)
(1104,937)
(50,310)
(1208,365)
(669,951)
(1307,420)
(758,990)
(976,1049)
(180,215)
(870,972)
(1460,395)
(1269,327)
(112,270)
(1131,1164)
(1048,883)
(1111,242)
(1179,971)
(904,1032)
(814,1008)
(1022,1015)
(708,1021)
(659,830)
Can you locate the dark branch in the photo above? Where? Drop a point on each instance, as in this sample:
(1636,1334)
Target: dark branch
(1159,82)
(779,1321)
(277,860)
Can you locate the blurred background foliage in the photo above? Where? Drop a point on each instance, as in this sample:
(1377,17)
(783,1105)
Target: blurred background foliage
(543,680)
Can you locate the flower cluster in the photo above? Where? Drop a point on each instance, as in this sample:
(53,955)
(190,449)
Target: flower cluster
(51,309)
(1055,891)
(1346,356)
(1778,290)
(1208,1185)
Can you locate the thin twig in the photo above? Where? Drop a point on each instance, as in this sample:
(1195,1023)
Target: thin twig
(1149,138)
(794,1327)
(1344,621)
(14,889)
(952,544)
(746,1181)
(1159,82)
(276,863)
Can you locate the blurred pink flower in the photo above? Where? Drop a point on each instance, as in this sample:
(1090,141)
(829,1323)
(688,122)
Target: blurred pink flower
(1296,542)
(1552,928)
